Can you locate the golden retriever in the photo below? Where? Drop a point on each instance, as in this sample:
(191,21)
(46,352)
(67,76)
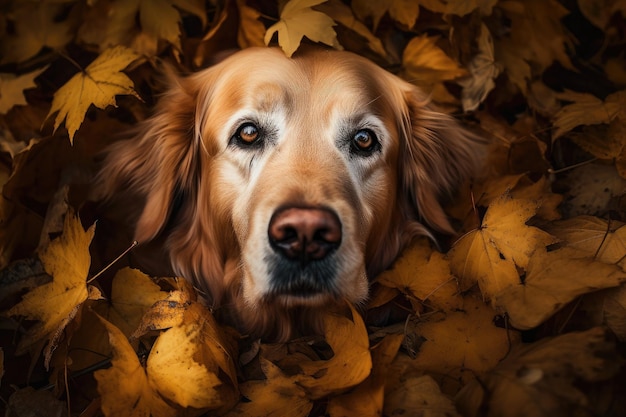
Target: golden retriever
(279,186)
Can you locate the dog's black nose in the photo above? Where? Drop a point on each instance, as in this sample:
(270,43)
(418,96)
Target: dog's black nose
(305,234)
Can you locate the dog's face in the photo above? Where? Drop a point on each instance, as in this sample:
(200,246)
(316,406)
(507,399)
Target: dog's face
(282,183)
(304,149)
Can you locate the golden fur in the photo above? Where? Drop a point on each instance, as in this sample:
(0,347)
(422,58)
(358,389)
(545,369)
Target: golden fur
(208,198)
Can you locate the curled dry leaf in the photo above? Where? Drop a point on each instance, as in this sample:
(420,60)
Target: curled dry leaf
(541,379)
(483,70)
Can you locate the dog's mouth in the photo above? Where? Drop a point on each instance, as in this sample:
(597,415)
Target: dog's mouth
(289,278)
(300,295)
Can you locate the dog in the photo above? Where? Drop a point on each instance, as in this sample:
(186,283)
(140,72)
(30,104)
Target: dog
(281,186)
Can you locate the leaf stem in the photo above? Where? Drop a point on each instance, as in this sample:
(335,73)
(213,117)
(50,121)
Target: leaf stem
(72,61)
(560,171)
(135,243)
(606,234)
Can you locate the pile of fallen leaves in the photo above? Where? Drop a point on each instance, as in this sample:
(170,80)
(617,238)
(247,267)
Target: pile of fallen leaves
(524,315)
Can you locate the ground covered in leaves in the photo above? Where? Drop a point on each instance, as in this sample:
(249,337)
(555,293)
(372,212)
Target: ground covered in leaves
(524,314)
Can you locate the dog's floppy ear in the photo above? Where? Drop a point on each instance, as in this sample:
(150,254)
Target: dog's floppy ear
(158,162)
(438,155)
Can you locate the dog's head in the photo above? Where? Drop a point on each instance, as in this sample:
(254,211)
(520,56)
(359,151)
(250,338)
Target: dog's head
(284,183)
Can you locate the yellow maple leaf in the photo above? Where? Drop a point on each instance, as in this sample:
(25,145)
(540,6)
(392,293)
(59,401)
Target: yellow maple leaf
(175,374)
(402,11)
(587,109)
(540,191)
(483,71)
(54,304)
(543,379)
(426,64)
(124,387)
(12,89)
(491,255)
(458,344)
(277,395)
(351,363)
(178,372)
(161,19)
(132,294)
(368,397)
(98,84)
(213,350)
(298,19)
(425,274)
(552,280)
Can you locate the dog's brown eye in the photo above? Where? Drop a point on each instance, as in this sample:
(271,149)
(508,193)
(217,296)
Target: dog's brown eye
(248,133)
(364,141)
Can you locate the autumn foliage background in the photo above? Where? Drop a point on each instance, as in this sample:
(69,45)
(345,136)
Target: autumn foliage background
(522,314)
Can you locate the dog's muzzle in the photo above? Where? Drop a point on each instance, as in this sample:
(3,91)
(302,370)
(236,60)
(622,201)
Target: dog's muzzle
(303,240)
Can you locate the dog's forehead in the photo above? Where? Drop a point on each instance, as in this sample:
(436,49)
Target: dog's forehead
(264,78)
